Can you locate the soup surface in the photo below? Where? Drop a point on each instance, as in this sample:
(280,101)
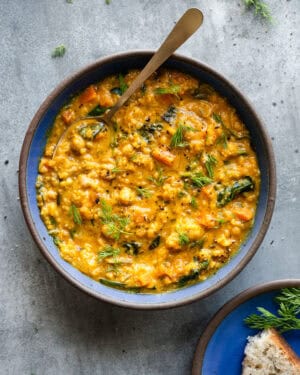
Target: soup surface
(161,200)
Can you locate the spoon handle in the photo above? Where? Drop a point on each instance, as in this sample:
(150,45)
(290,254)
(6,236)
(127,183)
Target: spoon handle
(184,28)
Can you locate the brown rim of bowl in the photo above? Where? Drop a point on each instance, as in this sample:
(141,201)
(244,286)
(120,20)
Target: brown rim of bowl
(227,308)
(24,198)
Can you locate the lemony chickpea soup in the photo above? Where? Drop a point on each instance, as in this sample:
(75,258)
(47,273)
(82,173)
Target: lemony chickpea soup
(161,200)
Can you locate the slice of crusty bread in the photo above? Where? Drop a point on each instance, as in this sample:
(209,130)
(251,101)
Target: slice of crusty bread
(267,353)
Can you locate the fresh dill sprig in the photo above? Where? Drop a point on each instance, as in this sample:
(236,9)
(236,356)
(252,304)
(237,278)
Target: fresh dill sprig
(108,251)
(223,138)
(115,224)
(59,51)
(291,297)
(197,179)
(183,239)
(286,318)
(177,139)
(160,179)
(194,203)
(143,192)
(117,170)
(260,8)
(76,214)
(210,163)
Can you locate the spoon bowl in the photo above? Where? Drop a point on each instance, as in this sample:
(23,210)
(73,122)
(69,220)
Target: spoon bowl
(185,27)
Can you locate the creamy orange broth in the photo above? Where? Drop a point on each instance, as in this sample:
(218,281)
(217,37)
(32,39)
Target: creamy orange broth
(163,199)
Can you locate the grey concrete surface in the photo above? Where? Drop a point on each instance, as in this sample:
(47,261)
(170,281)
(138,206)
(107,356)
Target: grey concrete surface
(46,325)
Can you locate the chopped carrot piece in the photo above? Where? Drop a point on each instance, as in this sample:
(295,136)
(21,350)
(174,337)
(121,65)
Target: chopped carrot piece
(68,116)
(88,95)
(166,98)
(105,97)
(244,214)
(164,156)
(208,191)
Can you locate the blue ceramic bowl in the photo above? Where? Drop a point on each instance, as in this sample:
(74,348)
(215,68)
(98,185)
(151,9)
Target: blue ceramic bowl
(35,141)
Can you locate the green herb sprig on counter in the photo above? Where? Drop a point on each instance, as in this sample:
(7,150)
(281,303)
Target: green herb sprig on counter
(287,317)
(59,51)
(260,8)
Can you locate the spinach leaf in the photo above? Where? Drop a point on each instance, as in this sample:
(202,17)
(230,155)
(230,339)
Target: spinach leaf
(193,275)
(155,243)
(170,115)
(132,248)
(227,194)
(97,111)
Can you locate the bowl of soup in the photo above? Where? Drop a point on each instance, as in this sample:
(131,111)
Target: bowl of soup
(164,206)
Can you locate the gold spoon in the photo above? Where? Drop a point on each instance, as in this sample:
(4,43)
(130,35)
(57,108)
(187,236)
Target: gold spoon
(186,26)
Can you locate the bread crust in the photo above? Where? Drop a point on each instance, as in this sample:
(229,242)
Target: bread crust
(280,342)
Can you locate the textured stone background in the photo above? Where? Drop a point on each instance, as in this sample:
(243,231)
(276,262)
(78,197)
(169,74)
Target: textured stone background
(46,325)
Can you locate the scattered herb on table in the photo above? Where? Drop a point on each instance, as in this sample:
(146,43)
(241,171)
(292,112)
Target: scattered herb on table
(59,51)
(287,317)
(260,8)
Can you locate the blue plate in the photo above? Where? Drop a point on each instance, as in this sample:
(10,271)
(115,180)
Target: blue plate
(220,350)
